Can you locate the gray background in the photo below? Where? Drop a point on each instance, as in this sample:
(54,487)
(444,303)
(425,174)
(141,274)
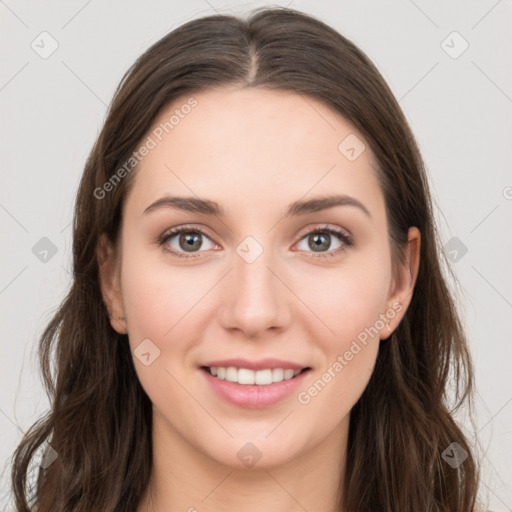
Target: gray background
(458,105)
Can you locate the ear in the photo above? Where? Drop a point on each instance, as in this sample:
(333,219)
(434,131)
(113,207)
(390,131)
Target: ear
(402,286)
(109,277)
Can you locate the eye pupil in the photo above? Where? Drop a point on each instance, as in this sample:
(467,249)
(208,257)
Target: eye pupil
(320,241)
(190,242)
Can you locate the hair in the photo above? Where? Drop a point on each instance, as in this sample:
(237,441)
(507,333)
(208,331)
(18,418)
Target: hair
(100,419)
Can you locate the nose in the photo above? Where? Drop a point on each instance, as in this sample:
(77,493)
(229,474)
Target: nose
(254,300)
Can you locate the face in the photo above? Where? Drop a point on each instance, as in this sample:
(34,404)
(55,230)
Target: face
(262,275)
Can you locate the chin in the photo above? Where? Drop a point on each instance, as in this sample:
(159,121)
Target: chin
(256,454)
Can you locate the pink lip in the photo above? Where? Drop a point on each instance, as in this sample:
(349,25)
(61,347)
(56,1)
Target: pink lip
(262,364)
(253,396)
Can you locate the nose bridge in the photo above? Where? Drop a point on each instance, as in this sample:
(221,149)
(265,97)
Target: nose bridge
(254,300)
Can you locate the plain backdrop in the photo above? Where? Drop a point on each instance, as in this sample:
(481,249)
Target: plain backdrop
(448,64)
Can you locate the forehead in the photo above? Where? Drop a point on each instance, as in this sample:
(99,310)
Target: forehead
(244,146)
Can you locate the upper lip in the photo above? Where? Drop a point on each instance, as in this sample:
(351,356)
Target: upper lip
(261,364)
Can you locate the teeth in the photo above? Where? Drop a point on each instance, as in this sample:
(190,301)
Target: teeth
(248,377)
(231,374)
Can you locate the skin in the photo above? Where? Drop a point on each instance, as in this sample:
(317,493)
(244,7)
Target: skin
(254,152)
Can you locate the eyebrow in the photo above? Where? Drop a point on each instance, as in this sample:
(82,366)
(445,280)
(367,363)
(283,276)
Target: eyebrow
(300,207)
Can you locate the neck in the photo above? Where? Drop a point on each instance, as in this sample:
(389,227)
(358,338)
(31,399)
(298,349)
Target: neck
(185,479)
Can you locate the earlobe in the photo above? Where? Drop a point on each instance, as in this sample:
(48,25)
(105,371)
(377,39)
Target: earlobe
(393,314)
(109,283)
(404,282)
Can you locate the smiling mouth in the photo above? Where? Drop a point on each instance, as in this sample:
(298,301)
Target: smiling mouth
(247,377)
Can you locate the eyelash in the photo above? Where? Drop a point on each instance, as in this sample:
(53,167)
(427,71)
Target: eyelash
(347,240)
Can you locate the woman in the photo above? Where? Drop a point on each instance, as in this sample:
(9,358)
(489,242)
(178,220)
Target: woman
(258,316)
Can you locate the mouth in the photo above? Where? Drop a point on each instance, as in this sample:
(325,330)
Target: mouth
(249,377)
(255,388)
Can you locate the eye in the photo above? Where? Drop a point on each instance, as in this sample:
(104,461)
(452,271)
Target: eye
(325,241)
(183,240)
(187,242)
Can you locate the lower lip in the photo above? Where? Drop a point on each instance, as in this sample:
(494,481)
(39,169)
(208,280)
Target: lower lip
(254,396)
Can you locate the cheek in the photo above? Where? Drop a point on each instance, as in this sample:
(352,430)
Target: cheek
(350,299)
(350,305)
(161,306)
(157,299)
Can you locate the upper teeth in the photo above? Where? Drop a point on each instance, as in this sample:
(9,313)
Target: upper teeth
(246,376)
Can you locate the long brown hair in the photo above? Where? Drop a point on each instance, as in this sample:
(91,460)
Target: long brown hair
(100,421)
